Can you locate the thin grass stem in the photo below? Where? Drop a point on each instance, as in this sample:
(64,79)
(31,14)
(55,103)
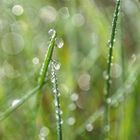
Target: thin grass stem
(56,100)
(108,80)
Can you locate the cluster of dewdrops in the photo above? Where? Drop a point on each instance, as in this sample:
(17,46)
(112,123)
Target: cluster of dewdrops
(55,67)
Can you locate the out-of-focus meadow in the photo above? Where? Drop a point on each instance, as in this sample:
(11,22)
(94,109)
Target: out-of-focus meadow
(84,26)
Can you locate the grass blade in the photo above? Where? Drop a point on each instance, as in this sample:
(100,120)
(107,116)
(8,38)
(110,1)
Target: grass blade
(107,92)
(56,100)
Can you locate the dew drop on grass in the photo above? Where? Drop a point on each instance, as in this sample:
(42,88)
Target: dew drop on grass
(51,32)
(89,127)
(53,80)
(57,66)
(105,75)
(74,97)
(44,131)
(15,102)
(71,121)
(72,106)
(106,128)
(59,42)
(57,117)
(55,103)
(58,111)
(108,100)
(64,12)
(114,40)
(35,60)
(61,122)
(54,91)
(58,94)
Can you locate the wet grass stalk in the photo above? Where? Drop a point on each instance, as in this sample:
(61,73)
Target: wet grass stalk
(45,64)
(108,80)
(56,99)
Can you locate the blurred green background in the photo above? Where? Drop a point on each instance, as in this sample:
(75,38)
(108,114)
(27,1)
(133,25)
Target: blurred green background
(84,26)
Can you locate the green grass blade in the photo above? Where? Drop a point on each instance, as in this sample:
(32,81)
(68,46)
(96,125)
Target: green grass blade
(56,101)
(47,59)
(45,65)
(110,54)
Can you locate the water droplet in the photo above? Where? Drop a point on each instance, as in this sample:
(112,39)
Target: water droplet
(58,94)
(58,111)
(84,81)
(106,128)
(44,131)
(55,91)
(53,80)
(55,103)
(35,60)
(64,12)
(12,43)
(72,106)
(61,112)
(57,117)
(78,20)
(89,127)
(57,66)
(74,97)
(105,75)
(114,40)
(59,42)
(15,102)
(17,10)
(71,120)
(108,100)
(48,14)
(51,32)
(61,122)
(110,45)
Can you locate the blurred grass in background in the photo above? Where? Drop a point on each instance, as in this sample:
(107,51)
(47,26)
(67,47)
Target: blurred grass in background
(85,27)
